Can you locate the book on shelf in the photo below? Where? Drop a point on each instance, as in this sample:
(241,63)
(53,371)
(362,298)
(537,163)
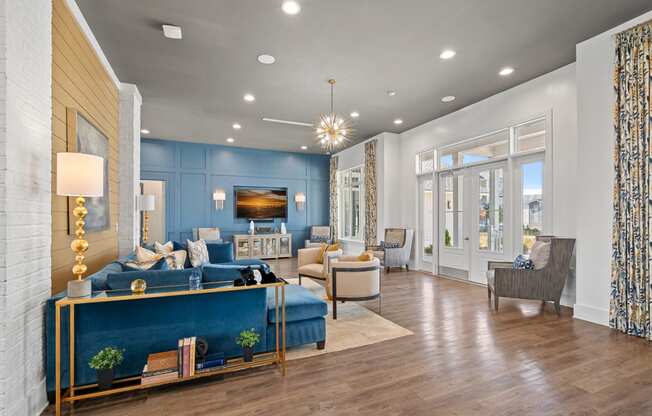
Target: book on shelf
(162,361)
(156,378)
(211,361)
(180,357)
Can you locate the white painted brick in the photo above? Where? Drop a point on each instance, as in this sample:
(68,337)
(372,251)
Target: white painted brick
(25,200)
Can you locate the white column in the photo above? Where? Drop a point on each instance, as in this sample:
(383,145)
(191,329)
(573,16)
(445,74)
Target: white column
(25,200)
(129,218)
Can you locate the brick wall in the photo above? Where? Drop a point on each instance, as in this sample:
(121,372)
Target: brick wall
(25,200)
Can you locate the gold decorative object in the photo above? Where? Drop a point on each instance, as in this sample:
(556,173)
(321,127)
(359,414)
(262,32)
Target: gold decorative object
(332,130)
(138,286)
(146,203)
(79,245)
(145,226)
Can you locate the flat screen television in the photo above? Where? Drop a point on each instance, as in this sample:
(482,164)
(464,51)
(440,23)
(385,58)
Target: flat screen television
(261,203)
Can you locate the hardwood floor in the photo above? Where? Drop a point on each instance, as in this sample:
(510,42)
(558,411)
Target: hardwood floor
(463,359)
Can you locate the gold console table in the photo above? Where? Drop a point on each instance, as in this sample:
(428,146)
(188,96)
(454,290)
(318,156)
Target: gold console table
(75,393)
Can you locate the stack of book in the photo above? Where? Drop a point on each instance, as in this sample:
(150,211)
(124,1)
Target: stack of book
(160,367)
(180,363)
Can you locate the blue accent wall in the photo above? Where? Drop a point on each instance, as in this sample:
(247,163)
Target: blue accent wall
(193,171)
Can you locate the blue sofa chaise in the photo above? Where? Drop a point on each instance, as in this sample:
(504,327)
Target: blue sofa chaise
(145,326)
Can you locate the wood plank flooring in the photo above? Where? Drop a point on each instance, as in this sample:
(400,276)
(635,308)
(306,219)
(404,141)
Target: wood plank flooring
(463,359)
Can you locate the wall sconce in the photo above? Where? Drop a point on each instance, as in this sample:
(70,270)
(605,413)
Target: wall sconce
(300,200)
(219,196)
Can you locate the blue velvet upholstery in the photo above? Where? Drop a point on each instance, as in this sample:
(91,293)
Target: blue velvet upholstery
(220,252)
(300,304)
(154,325)
(117,281)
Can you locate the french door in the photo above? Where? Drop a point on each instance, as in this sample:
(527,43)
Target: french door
(473,206)
(426,233)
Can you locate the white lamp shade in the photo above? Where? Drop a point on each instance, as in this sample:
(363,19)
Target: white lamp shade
(146,203)
(79,174)
(219,195)
(300,197)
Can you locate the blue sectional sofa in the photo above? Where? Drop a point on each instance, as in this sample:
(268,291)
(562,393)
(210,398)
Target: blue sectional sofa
(153,325)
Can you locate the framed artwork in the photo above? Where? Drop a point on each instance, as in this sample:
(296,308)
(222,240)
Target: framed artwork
(84,137)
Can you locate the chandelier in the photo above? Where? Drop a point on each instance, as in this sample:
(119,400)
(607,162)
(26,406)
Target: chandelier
(332,130)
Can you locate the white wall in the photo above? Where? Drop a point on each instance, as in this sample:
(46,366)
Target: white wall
(554,92)
(25,200)
(595,102)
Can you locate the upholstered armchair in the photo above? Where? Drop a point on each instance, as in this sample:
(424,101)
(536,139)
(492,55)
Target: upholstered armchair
(351,279)
(544,284)
(395,249)
(309,266)
(318,234)
(207,234)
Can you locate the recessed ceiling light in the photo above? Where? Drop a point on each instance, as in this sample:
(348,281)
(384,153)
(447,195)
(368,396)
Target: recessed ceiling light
(249,97)
(291,7)
(230,140)
(172,32)
(237,126)
(447,54)
(355,114)
(448,98)
(304,147)
(144,131)
(508,70)
(391,93)
(266,59)
(398,121)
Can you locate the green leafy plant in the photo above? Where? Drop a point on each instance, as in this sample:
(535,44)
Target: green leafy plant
(106,358)
(448,240)
(248,338)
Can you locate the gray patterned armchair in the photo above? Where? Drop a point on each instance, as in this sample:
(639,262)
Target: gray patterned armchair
(319,234)
(395,249)
(544,284)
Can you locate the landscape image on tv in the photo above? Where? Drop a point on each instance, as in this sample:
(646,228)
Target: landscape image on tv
(252,203)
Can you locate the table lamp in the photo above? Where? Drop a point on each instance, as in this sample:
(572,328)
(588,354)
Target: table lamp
(145,204)
(79,175)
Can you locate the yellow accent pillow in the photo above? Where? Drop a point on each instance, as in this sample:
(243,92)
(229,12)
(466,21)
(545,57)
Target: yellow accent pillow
(324,248)
(366,256)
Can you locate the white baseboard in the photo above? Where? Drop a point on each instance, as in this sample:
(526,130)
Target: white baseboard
(591,314)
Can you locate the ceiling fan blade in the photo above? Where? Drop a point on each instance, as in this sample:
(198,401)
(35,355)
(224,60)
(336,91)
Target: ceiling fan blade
(293,123)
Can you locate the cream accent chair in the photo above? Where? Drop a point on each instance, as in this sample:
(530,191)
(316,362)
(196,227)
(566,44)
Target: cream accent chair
(308,265)
(211,235)
(354,280)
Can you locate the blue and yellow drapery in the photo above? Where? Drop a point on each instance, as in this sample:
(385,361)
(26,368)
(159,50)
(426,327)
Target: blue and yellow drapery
(631,290)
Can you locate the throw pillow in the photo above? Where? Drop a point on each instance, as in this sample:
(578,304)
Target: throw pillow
(319,238)
(164,248)
(540,254)
(521,262)
(198,252)
(324,248)
(135,266)
(366,256)
(390,244)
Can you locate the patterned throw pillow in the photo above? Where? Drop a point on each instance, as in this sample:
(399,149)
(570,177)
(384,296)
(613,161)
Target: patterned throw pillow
(319,238)
(324,248)
(145,260)
(198,252)
(132,266)
(390,244)
(175,259)
(521,262)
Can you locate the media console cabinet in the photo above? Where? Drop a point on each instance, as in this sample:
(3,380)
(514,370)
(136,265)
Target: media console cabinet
(262,246)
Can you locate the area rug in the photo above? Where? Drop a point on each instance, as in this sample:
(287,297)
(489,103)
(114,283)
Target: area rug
(356,326)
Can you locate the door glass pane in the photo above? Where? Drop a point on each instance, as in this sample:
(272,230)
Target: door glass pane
(453,191)
(356,197)
(490,224)
(427,217)
(426,161)
(531,136)
(532,203)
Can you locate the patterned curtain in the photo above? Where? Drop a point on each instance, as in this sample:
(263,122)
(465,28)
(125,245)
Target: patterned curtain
(371,209)
(629,309)
(332,199)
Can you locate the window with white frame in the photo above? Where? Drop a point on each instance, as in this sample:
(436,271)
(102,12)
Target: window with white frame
(483,149)
(350,185)
(425,162)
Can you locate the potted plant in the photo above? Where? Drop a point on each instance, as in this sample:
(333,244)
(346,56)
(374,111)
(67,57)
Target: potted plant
(103,363)
(247,340)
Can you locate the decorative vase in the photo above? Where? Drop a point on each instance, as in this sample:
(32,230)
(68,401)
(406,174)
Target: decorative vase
(283,229)
(104,378)
(252,227)
(248,354)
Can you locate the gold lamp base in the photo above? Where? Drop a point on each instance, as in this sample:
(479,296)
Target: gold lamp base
(79,246)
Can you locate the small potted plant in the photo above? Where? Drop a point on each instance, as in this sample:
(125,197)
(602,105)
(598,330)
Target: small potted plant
(248,340)
(103,363)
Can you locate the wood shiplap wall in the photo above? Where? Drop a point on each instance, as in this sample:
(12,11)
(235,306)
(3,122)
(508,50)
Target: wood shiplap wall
(80,81)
